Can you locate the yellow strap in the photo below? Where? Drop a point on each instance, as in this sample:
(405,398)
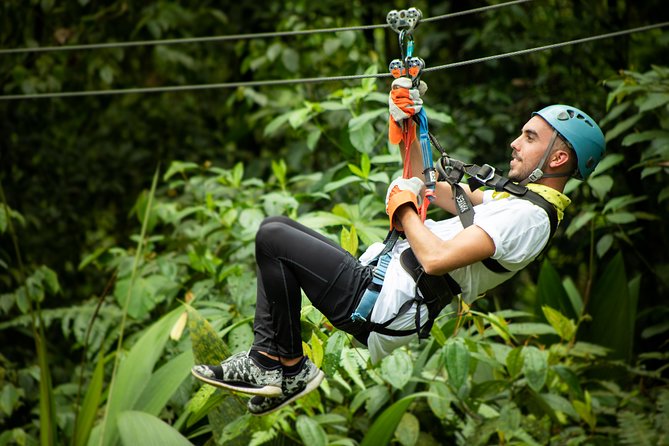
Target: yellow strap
(554,197)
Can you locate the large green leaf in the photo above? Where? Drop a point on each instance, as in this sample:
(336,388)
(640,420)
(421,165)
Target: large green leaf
(613,306)
(333,349)
(208,347)
(383,428)
(535,367)
(135,371)
(311,432)
(397,368)
(363,137)
(456,357)
(408,430)
(551,293)
(89,408)
(164,382)
(441,403)
(140,428)
(565,327)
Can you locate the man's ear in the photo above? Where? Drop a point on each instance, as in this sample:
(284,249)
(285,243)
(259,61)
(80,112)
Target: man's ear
(559,158)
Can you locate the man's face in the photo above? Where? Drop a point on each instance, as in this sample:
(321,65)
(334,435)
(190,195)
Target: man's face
(529,147)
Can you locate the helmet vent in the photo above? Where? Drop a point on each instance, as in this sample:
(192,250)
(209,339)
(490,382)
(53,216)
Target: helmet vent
(584,119)
(590,163)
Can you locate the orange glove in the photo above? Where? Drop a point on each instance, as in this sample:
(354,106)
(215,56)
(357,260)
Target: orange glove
(403,103)
(400,192)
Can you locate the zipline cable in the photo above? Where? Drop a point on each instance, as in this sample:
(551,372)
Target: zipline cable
(548,47)
(185,40)
(261,83)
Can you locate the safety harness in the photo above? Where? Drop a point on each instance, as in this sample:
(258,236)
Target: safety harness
(452,171)
(435,291)
(438,291)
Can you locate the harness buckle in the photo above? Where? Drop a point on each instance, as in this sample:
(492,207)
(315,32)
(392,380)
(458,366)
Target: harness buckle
(485,173)
(535,175)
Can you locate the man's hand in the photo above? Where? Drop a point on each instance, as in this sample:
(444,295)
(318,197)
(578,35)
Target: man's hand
(400,192)
(403,103)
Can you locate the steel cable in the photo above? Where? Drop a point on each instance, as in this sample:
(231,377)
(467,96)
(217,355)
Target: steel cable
(275,82)
(208,39)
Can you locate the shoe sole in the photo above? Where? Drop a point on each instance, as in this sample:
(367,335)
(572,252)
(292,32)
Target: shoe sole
(267,391)
(311,386)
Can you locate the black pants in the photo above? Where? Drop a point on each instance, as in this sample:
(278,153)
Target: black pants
(292,258)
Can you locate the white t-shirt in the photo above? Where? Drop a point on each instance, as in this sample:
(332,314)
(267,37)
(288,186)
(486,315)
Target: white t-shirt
(519,230)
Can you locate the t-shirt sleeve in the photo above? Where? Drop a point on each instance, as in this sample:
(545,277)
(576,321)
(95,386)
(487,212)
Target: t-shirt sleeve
(518,229)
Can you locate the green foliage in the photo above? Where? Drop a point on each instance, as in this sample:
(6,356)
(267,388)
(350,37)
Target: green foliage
(141,427)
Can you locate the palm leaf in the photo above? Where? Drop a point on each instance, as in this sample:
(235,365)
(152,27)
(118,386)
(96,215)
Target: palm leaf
(135,372)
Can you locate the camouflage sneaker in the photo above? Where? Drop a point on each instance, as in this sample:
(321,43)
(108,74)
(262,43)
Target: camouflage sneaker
(294,386)
(241,373)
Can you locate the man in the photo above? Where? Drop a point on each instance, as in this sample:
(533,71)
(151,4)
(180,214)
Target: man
(557,142)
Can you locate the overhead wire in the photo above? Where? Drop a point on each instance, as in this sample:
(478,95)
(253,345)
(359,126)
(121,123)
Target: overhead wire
(274,82)
(548,47)
(249,36)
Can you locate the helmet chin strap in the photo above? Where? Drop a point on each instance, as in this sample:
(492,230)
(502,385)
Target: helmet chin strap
(538,173)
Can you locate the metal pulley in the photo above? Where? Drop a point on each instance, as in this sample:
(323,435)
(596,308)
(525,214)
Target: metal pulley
(404,19)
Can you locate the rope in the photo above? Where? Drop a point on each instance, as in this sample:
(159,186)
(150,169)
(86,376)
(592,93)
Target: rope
(186,40)
(274,82)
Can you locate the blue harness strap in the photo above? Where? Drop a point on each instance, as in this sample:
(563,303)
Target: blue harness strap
(371,294)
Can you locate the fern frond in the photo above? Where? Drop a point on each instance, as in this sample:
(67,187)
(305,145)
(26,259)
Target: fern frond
(662,417)
(636,429)
(73,321)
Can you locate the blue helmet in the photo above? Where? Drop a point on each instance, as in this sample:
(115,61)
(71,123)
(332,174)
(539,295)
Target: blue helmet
(580,131)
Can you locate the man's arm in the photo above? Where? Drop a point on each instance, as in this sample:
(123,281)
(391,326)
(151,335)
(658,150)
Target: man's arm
(439,256)
(443,190)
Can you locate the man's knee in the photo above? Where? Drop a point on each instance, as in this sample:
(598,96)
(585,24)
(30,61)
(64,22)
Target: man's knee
(275,219)
(271,230)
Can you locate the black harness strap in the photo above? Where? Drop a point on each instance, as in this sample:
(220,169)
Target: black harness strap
(382,327)
(435,292)
(485,176)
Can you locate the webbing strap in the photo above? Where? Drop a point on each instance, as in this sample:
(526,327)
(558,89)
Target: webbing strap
(485,176)
(503,184)
(371,294)
(429,171)
(382,327)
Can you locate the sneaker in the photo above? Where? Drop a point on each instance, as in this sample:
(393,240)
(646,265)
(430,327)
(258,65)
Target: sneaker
(241,373)
(293,386)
